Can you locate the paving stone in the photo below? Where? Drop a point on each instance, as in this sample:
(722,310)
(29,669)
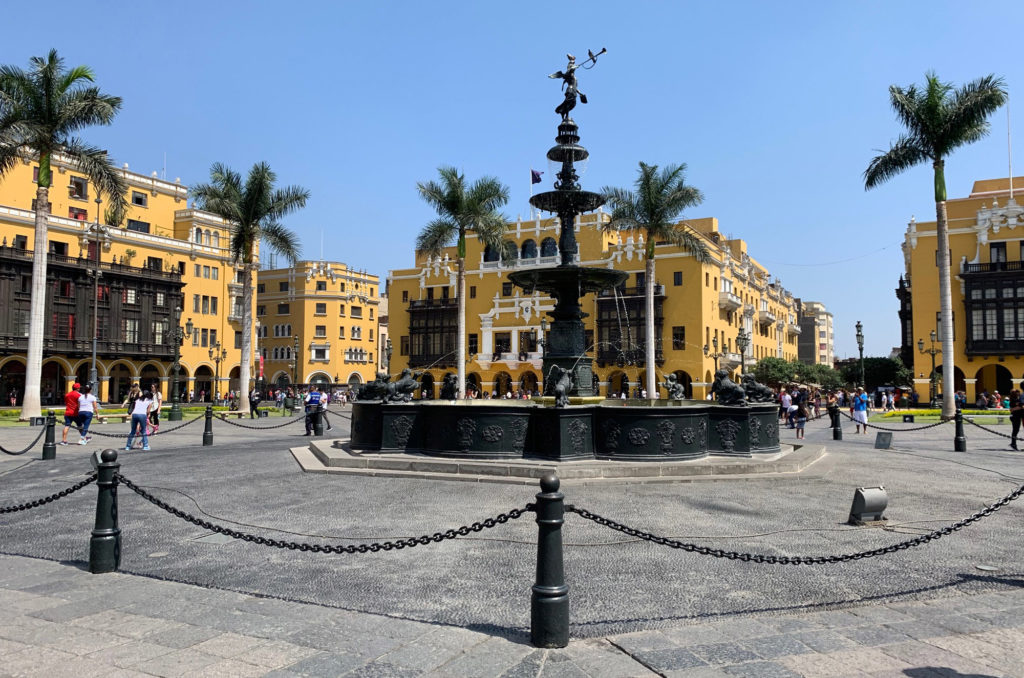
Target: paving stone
(564,670)
(529,667)
(867,660)
(35,661)
(669,660)
(11,647)
(690,635)
(920,654)
(383,670)
(324,664)
(492,657)
(760,670)
(1010,618)
(276,654)
(698,672)
(1008,639)
(723,653)
(646,640)
(228,645)
(882,614)
(130,653)
(833,619)
(918,629)
(182,636)
(227,668)
(824,641)
(177,663)
(599,657)
(770,647)
(781,625)
(816,665)
(977,649)
(70,611)
(422,654)
(961,623)
(874,635)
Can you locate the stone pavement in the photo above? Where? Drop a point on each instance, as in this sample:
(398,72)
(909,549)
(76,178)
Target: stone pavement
(59,620)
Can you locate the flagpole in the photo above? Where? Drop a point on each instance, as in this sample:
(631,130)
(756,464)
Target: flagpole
(532,214)
(1009,144)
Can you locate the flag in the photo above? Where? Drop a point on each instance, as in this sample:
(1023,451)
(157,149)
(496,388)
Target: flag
(261,366)
(535,176)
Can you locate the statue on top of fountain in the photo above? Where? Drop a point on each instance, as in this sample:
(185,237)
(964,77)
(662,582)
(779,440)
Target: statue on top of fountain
(450,387)
(376,389)
(676,391)
(756,393)
(728,391)
(568,77)
(402,390)
(558,383)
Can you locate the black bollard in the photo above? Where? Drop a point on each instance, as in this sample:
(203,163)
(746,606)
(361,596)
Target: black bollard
(105,544)
(49,444)
(837,426)
(549,602)
(208,431)
(959,439)
(318,422)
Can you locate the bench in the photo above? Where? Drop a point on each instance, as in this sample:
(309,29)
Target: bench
(102,418)
(232,413)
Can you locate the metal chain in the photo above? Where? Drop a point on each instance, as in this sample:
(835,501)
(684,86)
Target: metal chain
(373,547)
(290,421)
(30,445)
(154,433)
(796,560)
(897,430)
(986,428)
(46,500)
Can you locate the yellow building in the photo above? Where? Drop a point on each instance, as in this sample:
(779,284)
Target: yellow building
(986,255)
(163,256)
(318,324)
(696,305)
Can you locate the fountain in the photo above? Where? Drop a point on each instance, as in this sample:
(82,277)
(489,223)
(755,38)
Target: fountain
(570,422)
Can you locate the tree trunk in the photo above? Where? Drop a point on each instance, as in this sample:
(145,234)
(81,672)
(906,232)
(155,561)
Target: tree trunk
(652,366)
(460,340)
(30,405)
(246,360)
(945,313)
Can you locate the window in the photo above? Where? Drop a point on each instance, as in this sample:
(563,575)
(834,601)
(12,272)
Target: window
(130,330)
(140,199)
(195,337)
(997,252)
(319,354)
(321,285)
(261,310)
(341,312)
(216,239)
(138,226)
(403,343)
(506,289)
(678,338)
(261,288)
(321,309)
(283,309)
(472,345)
(205,340)
(215,273)
(405,293)
(195,303)
(341,331)
(159,331)
(78,189)
(707,279)
(161,299)
(20,242)
(128,296)
(206,271)
(320,331)
(282,287)
(181,268)
(371,314)
(357,311)
(152,263)
(78,213)
(198,236)
(65,288)
(444,292)
(430,293)
(238,340)
(357,333)
(197,271)
(472,292)
(213,305)
(371,335)
(206,304)
(641,279)
(677,278)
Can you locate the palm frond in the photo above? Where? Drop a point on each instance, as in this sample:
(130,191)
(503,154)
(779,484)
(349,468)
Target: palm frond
(906,152)
(436,235)
(97,165)
(287,200)
(86,107)
(281,240)
(968,111)
(685,239)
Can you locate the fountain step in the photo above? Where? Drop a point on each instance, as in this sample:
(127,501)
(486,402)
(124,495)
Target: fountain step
(335,456)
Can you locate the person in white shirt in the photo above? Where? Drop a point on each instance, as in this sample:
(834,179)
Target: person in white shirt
(154,413)
(140,412)
(87,408)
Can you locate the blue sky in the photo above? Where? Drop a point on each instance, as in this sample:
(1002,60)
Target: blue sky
(776,108)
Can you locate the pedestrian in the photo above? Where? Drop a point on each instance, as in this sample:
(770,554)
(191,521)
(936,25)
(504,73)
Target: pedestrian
(154,413)
(87,408)
(312,401)
(13,396)
(801,420)
(785,402)
(1016,414)
(254,403)
(860,410)
(191,395)
(140,413)
(323,412)
(70,411)
(129,401)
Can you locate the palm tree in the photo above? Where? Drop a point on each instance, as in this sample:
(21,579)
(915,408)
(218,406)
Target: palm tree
(41,109)
(461,209)
(656,207)
(938,119)
(253,210)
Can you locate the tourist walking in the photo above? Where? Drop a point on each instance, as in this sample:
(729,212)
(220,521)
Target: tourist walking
(801,420)
(140,413)
(87,408)
(254,402)
(154,412)
(70,411)
(1016,414)
(312,401)
(860,410)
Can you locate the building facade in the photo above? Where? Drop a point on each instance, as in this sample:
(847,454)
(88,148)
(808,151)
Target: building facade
(816,344)
(318,324)
(987,265)
(696,306)
(163,257)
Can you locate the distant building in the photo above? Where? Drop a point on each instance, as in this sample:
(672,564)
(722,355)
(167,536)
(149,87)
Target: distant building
(816,343)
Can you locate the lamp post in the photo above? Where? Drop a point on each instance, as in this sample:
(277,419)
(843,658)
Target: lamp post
(715,355)
(388,348)
(260,385)
(295,362)
(860,347)
(544,327)
(217,354)
(742,342)
(95,232)
(931,380)
(177,335)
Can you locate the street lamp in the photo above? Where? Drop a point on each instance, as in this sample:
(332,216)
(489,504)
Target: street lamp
(387,354)
(217,354)
(713,354)
(742,342)
(177,336)
(931,381)
(295,361)
(544,327)
(860,347)
(96,231)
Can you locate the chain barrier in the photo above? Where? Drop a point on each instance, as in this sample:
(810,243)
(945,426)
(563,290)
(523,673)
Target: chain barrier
(373,547)
(53,497)
(897,430)
(986,428)
(291,420)
(124,436)
(796,560)
(23,451)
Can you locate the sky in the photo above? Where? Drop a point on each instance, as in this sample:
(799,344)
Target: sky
(775,108)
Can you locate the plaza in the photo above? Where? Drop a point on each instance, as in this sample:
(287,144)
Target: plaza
(187,599)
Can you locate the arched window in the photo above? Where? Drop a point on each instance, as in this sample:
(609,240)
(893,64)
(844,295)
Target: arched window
(529,249)
(548,248)
(288,332)
(275,353)
(198,237)
(288,352)
(216,239)
(490,254)
(206,237)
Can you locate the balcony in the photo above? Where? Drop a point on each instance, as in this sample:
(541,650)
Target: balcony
(659,291)
(427,360)
(729,301)
(793,329)
(79,262)
(83,347)
(995,267)
(415,304)
(765,317)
